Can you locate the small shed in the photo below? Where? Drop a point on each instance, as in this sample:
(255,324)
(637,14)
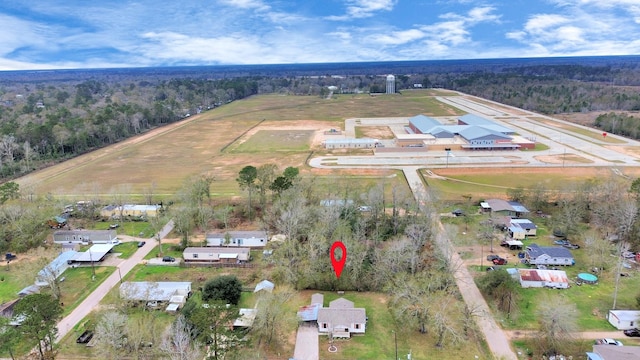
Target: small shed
(624,319)
(265,285)
(246,318)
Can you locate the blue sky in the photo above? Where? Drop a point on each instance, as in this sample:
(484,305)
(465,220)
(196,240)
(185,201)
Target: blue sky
(45,34)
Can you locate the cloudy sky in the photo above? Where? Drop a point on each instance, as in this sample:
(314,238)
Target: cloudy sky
(44,34)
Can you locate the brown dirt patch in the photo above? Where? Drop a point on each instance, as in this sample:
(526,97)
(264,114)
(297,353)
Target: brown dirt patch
(319,127)
(376,132)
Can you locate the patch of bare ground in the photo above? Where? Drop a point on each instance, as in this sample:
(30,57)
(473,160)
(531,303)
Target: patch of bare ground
(627,150)
(376,132)
(319,127)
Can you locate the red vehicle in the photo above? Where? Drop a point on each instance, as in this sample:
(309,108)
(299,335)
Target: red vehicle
(499,261)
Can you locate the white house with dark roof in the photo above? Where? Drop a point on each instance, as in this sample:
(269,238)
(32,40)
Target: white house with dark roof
(526,225)
(552,255)
(237,239)
(342,319)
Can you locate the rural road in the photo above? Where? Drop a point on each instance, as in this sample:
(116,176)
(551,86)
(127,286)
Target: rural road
(497,340)
(81,311)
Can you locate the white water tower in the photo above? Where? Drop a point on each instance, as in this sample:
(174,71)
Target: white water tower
(391,84)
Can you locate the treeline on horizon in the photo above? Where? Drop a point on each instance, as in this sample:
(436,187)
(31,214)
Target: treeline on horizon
(47,117)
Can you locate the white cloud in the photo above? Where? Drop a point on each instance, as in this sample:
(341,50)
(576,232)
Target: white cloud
(398,37)
(357,9)
(246,4)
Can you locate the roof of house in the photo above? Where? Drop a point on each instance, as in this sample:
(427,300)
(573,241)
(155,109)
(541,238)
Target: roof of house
(317,298)
(556,276)
(153,290)
(341,316)
(524,223)
(237,234)
(502,205)
(264,285)
(57,265)
(341,303)
(90,233)
(608,352)
(535,250)
(309,312)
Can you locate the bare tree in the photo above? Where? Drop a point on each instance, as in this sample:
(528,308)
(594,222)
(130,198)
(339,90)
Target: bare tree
(557,323)
(111,335)
(178,341)
(272,316)
(51,275)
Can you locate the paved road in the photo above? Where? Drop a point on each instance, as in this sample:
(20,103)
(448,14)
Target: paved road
(307,343)
(67,324)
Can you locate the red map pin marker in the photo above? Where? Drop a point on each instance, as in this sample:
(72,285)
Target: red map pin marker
(338,265)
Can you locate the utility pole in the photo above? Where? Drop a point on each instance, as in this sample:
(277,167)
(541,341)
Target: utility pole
(395,338)
(448,150)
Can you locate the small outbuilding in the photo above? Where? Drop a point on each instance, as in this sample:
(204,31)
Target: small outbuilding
(624,319)
(264,285)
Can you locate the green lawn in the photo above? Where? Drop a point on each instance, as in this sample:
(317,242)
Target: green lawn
(79,283)
(126,249)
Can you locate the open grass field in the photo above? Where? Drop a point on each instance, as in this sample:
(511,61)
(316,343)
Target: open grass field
(219,143)
(485,183)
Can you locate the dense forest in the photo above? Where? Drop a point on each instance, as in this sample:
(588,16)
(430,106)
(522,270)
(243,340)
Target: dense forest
(46,117)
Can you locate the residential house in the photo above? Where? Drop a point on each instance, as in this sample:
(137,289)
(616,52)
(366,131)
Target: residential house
(237,238)
(609,352)
(506,208)
(85,237)
(624,319)
(55,268)
(341,319)
(524,225)
(234,255)
(554,255)
(154,293)
(556,279)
